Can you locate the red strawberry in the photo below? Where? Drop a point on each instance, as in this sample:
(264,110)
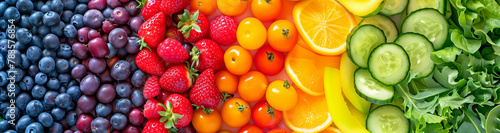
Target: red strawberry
(207,54)
(151,108)
(179,112)
(177,79)
(173,32)
(194,27)
(172,51)
(204,92)
(151,87)
(223,30)
(149,62)
(155,126)
(152,32)
(151,7)
(169,7)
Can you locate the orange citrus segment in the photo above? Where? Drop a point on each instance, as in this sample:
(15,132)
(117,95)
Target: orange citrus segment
(331,130)
(309,115)
(305,68)
(324,25)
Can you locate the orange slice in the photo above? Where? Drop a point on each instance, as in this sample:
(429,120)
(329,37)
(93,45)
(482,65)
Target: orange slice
(324,25)
(305,68)
(309,115)
(331,130)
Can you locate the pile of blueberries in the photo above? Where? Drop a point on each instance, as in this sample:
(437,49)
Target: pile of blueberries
(73,66)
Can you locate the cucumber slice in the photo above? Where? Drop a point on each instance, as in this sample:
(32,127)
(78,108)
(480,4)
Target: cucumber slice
(389,63)
(439,5)
(362,40)
(387,119)
(370,89)
(428,22)
(393,7)
(384,23)
(419,50)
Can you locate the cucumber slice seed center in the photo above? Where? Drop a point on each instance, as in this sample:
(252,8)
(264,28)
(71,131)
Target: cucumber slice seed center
(389,63)
(389,122)
(429,28)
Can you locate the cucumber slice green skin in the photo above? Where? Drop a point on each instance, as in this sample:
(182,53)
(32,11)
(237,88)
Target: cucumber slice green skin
(424,17)
(359,47)
(393,71)
(385,24)
(441,7)
(425,66)
(398,7)
(492,121)
(366,87)
(388,111)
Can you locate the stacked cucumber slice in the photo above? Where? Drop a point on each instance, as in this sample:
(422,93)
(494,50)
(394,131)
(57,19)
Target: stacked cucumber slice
(385,57)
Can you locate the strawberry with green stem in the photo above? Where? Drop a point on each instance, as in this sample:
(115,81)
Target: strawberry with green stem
(193,25)
(178,112)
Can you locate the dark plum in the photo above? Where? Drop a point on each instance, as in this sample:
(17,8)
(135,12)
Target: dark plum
(106,77)
(51,19)
(81,8)
(78,71)
(97,65)
(131,8)
(83,35)
(118,37)
(87,103)
(136,117)
(100,125)
(107,26)
(106,93)
(93,18)
(120,15)
(138,78)
(70,31)
(84,122)
(89,84)
(113,3)
(98,48)
(120,70)
(80,50)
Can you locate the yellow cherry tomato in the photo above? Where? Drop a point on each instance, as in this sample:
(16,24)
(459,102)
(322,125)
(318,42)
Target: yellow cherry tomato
(227,83)
(236,112)
(205,6)
(232,7)
(206,123)
(237,60)
(251,33)
(282,35)
(252,86)
(266,10)
(281,95)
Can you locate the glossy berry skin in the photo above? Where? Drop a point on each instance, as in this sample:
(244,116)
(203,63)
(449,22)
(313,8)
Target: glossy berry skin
(269,61)
(152,87)
(211,55)
(170,7)
(50,98)
(171,51)
(51,19)
(265,116)
(51,42)
(84,123)
(120,15)
(151,109)
(124,105)
(150,8)
(135,117)
(204,92)
(153,30)
(155,126)
(194,34)
(45,119)
(98,48)
(103,110)
(63,100)
(34,108)
(118,121)
(118,37)
(137,98)
(35,127)
(106,93)
(150,62)
(223,30)
(123,89)
(174,33)
(97,4)
(131,8)
(100,125)
(58,113)
(93,19)
(135,23)
(138,78)
(86,103)
(182,106)
(120,70)
(177,79)
(89,84)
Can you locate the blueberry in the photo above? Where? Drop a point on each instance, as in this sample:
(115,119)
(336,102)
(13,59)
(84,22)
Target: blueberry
(11,2)
(58,113)
(100,125)
(43,30)
(81,8)
(52,74)
(25,22)
(56,128)
(48,53)
(22,100)
(120,70)
(34,127)
(27,83)
(16,61)
(4,107)
(57,6)
(3,35)
(118,121)
(17,72)
(70,31)
(73,83)
(123,89)
(138,78)
(23,35)
(83,1)
(46,64)
(64,77)
(3,78)
(63,100)
(25,63)
(4,95)
(10,131)
(77,21)
(103,110)
(24,6)
(107,12)
(11,13)
(3,7)
(33,70)
(45,8)
(19,46)
(2,62)
(93,18)
(34,108)
(71,118)
(69,4)
(49,98)
(45,119)
(3,24)
(73,61)
(41,78)
(66,16)
(62,89)
(62,65)
(53,83)
(58,29)
(4,47)
(132,46)
(38,5)
(4,125)
(123,105)
(74,92)
(137,98)
(34,53)
(23,122)
(51,18)
(38,91)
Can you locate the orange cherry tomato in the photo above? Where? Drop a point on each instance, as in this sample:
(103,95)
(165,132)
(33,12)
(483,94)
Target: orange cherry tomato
(265,116)
(205,6)
(269,61)
(252,86)
(250,129)
(281,95)
(282,35)
(238,60)
(206,123)
(278,130)
(232,7)
(236,112)
(266,10)
(251,33)
(227,83)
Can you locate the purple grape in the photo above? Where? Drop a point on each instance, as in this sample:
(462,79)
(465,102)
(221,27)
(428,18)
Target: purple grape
(120,70)
(131,129)
(105,37)
(120,15)
(80,50)
(83,122)
(106,93)
(105,76)
(131,8)
(127,29)
(112,51)
(98,48)
(107,26)
(89,84)
(97,4)
(78,71)
(113,3)
(71,131)
(100,125)
(86,103)
(132,46)
(93,19)
(135,117)
(135,23)
(121,53)
(124,1)
(83,34)
(97,65)
(93,34)
(138,78)
(118,37)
